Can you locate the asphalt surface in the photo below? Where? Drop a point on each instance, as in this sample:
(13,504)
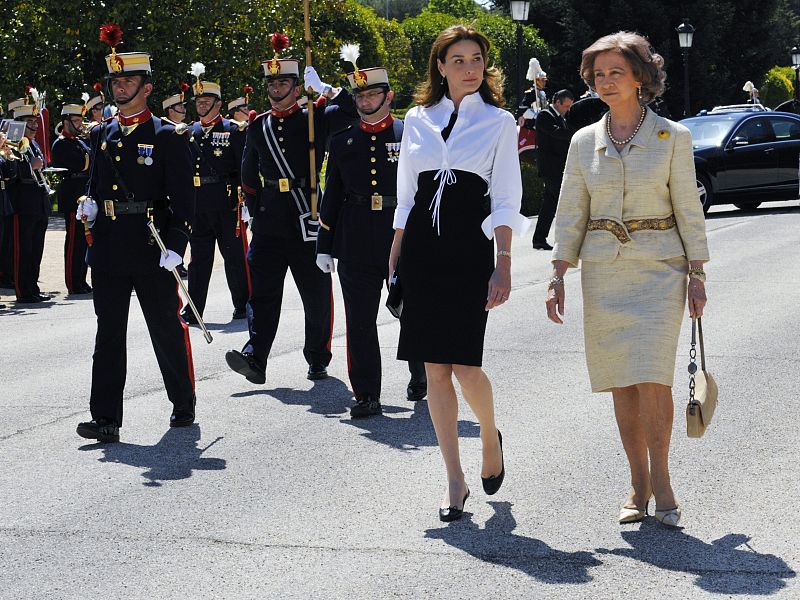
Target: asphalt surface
(276,493)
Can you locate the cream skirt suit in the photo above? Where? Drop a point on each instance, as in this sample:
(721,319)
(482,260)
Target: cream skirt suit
(633,219)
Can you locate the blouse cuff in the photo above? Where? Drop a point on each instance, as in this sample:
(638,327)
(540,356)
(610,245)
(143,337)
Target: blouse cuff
(518,223)
(400,217)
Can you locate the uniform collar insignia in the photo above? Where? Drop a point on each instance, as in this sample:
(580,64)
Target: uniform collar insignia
(381,125)
(137,119)
(285,113)
(212,122)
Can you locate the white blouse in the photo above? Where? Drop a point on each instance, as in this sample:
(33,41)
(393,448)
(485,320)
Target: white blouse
(483,141)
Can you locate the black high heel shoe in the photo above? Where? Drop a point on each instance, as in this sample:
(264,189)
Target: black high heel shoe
(493,483)
(453,513)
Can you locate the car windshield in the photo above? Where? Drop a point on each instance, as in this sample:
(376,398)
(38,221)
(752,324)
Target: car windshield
(710,130)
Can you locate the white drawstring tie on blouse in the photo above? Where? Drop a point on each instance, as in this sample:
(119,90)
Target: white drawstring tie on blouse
(445,176)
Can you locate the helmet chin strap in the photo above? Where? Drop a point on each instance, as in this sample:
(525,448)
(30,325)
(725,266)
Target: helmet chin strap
(279,98)
(205,114)
(380,106)
(124,102)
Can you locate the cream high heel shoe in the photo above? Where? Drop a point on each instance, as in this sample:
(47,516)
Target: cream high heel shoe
(669,517)
(632,515)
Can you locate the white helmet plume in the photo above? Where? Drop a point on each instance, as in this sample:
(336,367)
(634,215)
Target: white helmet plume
(350,53)
(534,70)
(197,69)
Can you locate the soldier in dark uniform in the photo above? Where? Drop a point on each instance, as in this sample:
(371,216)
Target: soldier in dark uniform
(356,228)
(239,108)
(174,106)
(96,104)
(216,146)
(138,162)
(6,212)
(284,235)
(72,153)
(30,201)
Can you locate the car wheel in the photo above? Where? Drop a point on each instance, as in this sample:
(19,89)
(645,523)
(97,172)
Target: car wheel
(704,192)
(747,206)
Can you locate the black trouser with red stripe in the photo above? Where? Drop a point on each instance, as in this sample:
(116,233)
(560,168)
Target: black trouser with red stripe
(361,290)
(75,267)
(6,248)
(269,258)
(157,293)
(29,232)
(219,225)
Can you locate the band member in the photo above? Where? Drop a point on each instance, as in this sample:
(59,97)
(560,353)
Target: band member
(7,212)
(239,109)
(29,194)
(71,152)
(216,146)
(174,106)
(139,161)
(356,227)
(284,233)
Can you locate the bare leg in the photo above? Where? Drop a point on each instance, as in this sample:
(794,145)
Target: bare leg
(631,431)
(477,390)
(657,411)
(443,406)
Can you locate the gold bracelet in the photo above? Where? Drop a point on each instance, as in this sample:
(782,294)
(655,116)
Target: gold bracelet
(699,275)
(504,253)
(554,281)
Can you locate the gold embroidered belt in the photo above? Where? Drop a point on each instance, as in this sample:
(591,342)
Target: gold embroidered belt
(621,231)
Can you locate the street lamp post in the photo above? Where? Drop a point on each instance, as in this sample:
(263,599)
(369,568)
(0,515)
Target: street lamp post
(519,13)
(685,35)
(796,65)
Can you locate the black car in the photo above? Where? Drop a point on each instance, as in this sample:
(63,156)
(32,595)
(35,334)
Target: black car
(745,157)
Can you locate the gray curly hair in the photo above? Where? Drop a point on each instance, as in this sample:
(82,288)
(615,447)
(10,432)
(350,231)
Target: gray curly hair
(646,64)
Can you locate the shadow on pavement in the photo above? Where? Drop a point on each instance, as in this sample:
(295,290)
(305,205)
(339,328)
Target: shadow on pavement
(496,544)
(410,433)
(329,397)
(175,456)
(728,565)
(758,211)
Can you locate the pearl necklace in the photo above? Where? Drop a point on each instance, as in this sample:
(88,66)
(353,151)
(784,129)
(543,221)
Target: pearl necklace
(631,136)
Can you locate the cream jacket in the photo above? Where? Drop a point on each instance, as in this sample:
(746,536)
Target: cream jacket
(652,178)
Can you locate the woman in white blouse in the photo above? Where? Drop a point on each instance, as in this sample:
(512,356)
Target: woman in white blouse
(458,186)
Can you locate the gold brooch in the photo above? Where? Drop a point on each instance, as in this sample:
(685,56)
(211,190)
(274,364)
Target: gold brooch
(663,134)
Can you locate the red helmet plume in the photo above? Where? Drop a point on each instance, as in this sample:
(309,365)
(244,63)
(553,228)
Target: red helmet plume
(279,41)
(111,34)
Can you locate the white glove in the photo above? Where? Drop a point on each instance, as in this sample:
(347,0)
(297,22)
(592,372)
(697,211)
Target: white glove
(170,260)
(246,215)
(88,209)
(313,81)
(325,263)
(529,114)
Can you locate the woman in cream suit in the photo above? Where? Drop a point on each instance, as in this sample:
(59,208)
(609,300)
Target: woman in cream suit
(629,211)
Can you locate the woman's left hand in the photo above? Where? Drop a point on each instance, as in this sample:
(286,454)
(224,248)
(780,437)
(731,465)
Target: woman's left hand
(499,287)
(697,297)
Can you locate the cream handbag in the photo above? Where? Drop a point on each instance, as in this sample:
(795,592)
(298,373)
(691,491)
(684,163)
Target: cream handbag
(702,388)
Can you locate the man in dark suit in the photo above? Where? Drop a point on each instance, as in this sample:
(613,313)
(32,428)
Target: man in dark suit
(142,169)
(552,137)
(216,146)
(356,228)
(276,184)
(30,201)
(72,153)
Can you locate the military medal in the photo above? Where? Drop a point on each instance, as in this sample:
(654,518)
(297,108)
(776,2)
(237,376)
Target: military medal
(145,154)
(393,151)
(218,152)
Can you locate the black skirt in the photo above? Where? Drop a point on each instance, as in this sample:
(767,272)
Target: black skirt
(445,276)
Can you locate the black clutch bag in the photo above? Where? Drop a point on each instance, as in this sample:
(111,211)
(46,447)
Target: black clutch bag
(395,300)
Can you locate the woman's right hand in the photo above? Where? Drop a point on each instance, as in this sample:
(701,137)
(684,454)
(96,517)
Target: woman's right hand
(394,253)
(555,303)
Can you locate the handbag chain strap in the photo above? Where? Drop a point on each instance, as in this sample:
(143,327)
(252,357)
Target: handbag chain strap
(702,347)
(693,364)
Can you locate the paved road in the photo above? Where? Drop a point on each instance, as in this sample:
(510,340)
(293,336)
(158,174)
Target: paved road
(276,493)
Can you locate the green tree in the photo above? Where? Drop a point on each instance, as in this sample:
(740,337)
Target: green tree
(778,86)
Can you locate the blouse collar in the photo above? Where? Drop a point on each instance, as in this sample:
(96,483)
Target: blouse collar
(439,114)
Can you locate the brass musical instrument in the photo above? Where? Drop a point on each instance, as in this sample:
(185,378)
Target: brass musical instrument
(85,129)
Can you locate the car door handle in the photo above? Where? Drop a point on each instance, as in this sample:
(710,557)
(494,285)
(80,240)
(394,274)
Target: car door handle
(769,150)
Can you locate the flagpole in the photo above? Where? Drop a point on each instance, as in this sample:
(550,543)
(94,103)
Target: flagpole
(312,158)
